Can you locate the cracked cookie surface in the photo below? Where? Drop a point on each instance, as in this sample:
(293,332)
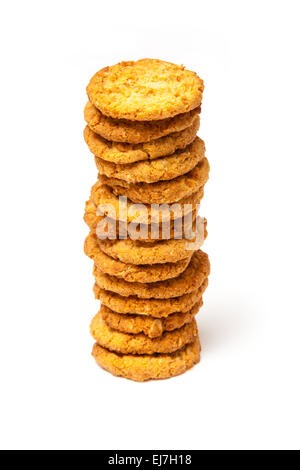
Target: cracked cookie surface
(145,90)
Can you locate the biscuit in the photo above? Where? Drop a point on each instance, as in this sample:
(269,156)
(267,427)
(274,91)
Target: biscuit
(160,169)
(122,153)
(162,192)
(161,251)
(136,132)
(131,272)
(110,205)
(152,327)
(125,343)
(157,308)
(188,281)
(142,368)
(145,90)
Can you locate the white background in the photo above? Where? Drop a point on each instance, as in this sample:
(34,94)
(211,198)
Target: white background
(245,391)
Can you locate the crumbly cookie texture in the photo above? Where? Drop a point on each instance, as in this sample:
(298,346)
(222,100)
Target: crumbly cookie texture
(125,343)
(145,90)
(122,153)
(162,192)
(161,251)
(157,308)
(110,205)
(130,272)
(136,132)
(104,226)
(188,281)
(144,367)
(160,169)
(150,326)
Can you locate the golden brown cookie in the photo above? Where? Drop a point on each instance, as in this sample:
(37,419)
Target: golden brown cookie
(188,281)
(122,153)
(144,367)
(145,90)
(160,169)
(162,192)
(125,343)
(104,226)
(161,251)
(150,326)
(136,132)
(131,272)
(112,206)
(157,308)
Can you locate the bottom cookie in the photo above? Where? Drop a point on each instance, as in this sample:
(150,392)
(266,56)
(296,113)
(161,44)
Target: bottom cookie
(142,368)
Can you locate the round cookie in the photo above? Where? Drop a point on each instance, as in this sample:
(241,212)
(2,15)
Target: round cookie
(142,368)
(161,251)
(188,281)
(130,272)
(136,132)
(100,225)
(122,153)
(157,308)
(145,90)
(125,343)
(110,205)
(152,327)
(160,169)
(162,192)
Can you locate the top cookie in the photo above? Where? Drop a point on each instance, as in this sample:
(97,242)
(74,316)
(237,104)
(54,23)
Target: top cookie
(146,90)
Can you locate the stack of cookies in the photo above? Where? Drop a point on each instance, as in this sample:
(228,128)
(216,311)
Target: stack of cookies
(150,275)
